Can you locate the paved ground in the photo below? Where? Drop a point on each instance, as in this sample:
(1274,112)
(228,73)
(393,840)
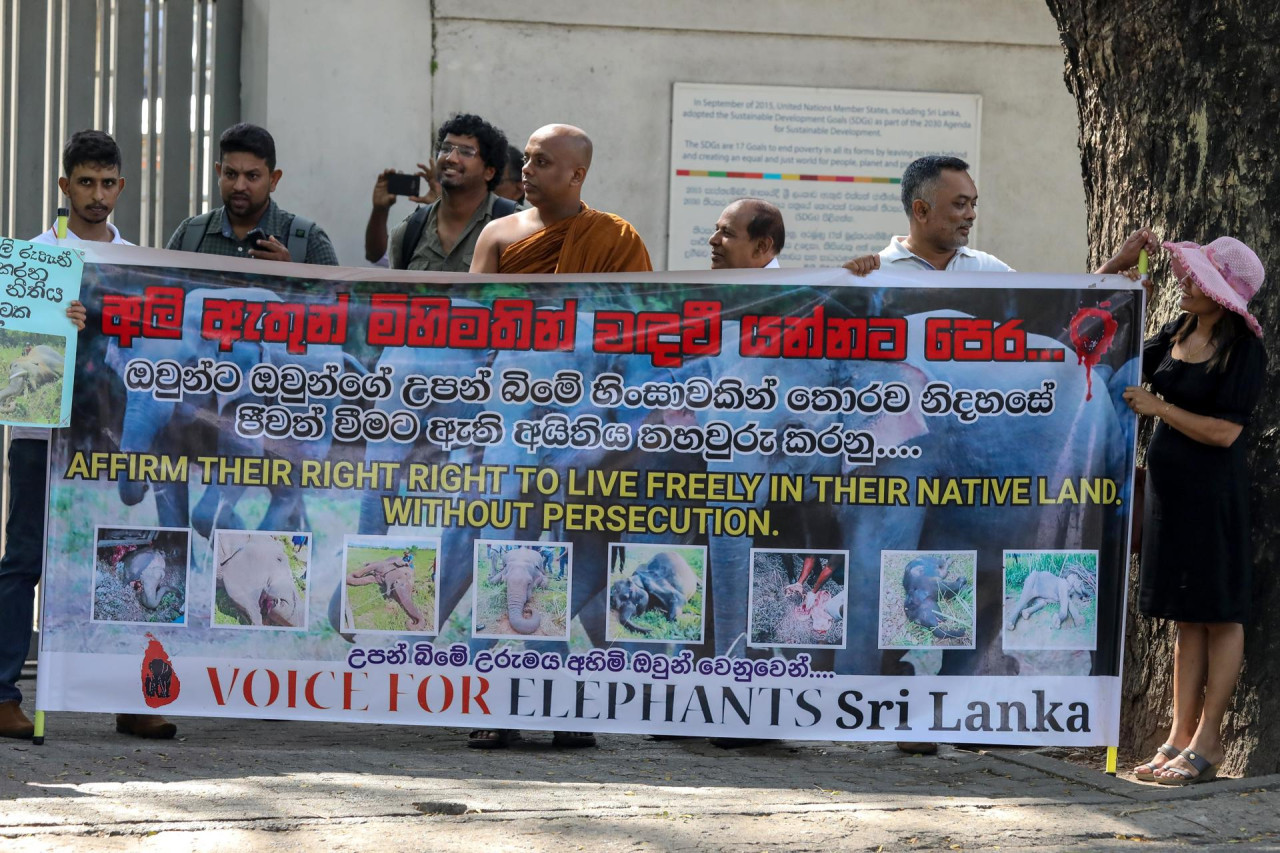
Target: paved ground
(257,785)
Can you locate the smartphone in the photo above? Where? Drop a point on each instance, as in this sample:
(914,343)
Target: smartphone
(399,183)
(254,236)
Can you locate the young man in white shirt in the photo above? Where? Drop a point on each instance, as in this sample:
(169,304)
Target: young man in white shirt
(92,184)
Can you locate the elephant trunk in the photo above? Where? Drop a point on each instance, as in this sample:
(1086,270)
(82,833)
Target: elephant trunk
(624,616)
(13,389)
(515,611)
(152,592)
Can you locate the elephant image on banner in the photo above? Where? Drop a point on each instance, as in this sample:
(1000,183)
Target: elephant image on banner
(178,422)
(1080,438)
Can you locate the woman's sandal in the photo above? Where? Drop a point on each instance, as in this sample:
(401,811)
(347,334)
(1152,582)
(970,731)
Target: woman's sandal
(492,738)
(1204,770)
(1168,750)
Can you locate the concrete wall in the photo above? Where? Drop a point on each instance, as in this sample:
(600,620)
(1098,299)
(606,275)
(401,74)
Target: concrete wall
(345,89)
(608,66)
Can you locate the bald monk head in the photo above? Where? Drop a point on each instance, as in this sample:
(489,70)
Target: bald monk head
(556,160)
(749,234)
(558,233)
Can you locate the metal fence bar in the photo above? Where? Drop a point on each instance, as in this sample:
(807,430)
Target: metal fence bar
(113,64)
(127,102)
(197,107)
(50,104)
(174,200)
(226,79)
(5,133)
(28,191)
(81,50)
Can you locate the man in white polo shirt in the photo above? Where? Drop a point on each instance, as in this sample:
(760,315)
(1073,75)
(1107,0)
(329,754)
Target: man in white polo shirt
(92,184)
(941,201)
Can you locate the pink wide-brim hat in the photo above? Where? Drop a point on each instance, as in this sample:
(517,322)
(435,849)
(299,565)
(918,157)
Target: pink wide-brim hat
(1227,271)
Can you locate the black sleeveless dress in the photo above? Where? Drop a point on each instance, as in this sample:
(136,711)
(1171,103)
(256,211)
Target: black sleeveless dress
(1196,556)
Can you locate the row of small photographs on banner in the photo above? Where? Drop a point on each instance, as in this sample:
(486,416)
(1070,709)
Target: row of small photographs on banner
(927,599)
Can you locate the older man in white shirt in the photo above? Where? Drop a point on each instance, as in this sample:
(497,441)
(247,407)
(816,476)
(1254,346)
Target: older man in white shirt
(749,234)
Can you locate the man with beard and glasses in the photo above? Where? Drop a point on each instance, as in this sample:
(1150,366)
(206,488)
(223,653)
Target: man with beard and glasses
(470,159)
(250,224)
(92,184)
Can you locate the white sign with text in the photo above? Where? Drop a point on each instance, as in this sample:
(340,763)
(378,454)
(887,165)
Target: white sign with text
(831,159)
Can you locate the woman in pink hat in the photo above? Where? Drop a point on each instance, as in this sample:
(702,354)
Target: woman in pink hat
(1206,368)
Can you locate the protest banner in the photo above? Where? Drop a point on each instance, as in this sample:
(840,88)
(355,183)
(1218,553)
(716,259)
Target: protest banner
(37,341)
(770,504)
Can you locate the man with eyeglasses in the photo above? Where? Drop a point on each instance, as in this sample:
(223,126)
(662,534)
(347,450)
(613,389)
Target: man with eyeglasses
(470,159)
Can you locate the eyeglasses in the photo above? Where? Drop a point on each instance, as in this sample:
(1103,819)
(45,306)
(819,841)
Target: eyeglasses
(466,152)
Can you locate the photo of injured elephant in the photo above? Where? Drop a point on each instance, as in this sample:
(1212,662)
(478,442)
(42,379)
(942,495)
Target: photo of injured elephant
(1051,600)
(390,584)
(260,579)
(140,575)
(517,593)
(657,593)
(33,365)
(927,599)
(797,598)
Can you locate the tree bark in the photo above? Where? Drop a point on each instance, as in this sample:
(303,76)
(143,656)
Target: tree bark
(1178,121)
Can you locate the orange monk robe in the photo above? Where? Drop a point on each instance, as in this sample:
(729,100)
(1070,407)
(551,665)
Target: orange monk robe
(591,241)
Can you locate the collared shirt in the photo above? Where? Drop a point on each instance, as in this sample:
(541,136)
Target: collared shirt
(429,254)
(220,239)
(50,238)
(964,260)
(773,264)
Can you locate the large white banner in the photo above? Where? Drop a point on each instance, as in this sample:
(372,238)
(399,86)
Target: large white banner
(774,503)
(831,159)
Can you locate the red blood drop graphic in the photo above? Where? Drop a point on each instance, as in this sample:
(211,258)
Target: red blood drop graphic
(1092,331)
(160,684)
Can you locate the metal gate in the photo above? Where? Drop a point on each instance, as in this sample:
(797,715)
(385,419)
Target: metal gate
(161,76)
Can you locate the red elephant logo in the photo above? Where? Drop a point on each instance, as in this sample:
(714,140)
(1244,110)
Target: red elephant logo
(160,684)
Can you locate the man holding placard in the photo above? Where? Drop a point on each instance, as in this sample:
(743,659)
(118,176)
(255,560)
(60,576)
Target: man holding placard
(92,184)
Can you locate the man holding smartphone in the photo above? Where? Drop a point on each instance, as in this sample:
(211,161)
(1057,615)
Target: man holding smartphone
(249,224)
(470,158)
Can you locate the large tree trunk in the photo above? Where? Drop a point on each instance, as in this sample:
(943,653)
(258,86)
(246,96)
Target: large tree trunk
(1178,129)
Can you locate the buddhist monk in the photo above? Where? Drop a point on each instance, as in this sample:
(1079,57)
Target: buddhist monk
(558,233)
